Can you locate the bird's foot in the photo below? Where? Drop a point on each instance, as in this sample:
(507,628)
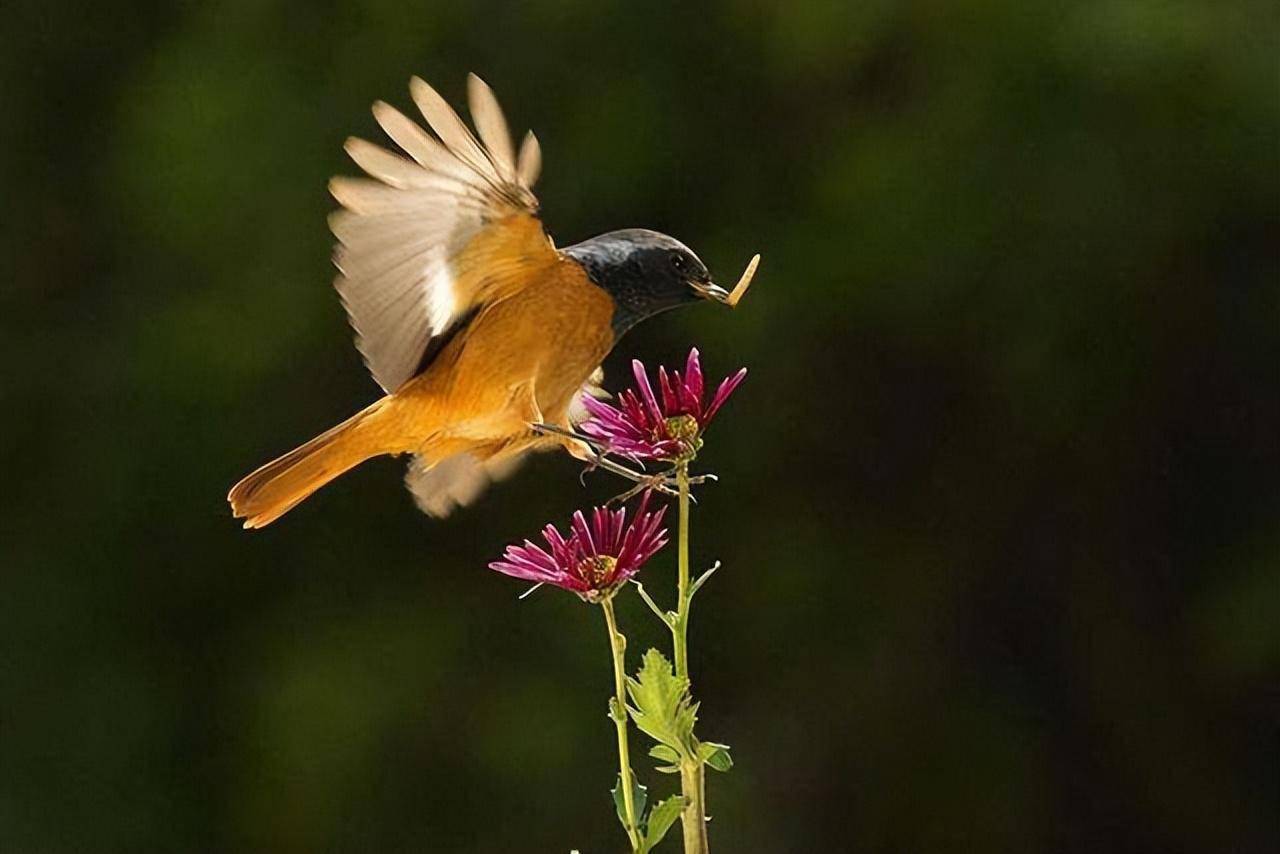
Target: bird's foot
(546,429)
(655,482)
(662,482)
(594,455)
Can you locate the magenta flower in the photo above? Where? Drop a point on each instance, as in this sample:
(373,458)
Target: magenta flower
(598,555)
(644,427)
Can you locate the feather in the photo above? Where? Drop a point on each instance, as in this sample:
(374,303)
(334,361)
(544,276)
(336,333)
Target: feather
(429,153)
(405,232)
(492,126)
(452,132)
(455,481)
(530,164)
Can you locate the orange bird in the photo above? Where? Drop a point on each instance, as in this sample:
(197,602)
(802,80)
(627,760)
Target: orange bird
(473,323)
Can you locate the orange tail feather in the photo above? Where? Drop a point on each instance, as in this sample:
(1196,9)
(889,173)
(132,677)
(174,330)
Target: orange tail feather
(280,485)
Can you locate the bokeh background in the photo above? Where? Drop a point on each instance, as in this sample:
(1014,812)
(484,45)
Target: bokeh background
(999,514)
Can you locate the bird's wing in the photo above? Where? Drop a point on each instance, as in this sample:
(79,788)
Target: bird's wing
(428,238)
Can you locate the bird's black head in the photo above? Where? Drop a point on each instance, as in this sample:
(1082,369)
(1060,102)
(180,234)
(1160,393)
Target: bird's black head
(645,272)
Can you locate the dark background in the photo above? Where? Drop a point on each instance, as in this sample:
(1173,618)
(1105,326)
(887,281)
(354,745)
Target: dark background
(999,510)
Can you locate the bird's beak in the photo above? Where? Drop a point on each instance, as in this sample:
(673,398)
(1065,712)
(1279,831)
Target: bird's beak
(709,290)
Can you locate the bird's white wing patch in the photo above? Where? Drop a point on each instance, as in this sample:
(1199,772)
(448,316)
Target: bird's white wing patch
(400,230)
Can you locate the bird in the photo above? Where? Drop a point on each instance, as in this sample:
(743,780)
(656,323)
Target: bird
(481,334)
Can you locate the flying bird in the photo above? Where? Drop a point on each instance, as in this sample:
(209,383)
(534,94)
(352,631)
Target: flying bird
(476,327)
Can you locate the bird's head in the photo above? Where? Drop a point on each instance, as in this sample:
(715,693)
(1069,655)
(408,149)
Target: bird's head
(646,273)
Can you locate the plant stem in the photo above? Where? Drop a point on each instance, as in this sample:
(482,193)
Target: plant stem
(693,818)
(679,631)
(618,711)
(653,606)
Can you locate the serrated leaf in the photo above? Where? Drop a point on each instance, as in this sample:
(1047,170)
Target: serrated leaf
(664,753)
(639,797)
(668,769)
(660,820)
(662,706)
(715,755)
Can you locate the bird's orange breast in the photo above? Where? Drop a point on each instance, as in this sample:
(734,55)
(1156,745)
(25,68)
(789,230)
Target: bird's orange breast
(539,343)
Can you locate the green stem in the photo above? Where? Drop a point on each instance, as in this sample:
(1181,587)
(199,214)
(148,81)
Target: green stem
(680,630)
(693,818)
(618,711)
(653,606)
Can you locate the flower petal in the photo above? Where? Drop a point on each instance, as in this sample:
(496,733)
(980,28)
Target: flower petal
(646,390)
(690,404)
(583,534)
(693,375)
(670,403)
(722,394)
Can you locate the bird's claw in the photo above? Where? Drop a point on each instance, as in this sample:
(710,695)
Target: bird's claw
(657,483)
(664,482)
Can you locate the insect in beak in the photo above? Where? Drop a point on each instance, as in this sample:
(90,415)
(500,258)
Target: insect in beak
(712,291)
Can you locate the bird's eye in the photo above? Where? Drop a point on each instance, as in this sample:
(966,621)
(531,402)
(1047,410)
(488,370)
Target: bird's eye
(678,262)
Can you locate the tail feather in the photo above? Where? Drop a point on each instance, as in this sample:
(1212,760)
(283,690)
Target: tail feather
(277,487)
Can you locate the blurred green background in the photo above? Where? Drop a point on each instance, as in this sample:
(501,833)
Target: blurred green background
(999,510)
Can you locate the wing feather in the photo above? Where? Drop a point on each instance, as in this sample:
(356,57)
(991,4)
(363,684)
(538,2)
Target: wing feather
(434,231)
(456,481)
(422,147)
(492,126)
(529,166)
(448,126)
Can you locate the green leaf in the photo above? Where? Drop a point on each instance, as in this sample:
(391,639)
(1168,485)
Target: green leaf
(639,796)
(664,753)
(715,755)
(662,706)
(660,820)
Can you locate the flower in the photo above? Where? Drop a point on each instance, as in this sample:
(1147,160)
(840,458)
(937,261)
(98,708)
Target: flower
(642,427)
(599,554)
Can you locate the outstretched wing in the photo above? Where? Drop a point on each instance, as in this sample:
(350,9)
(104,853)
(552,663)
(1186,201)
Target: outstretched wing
(427,238)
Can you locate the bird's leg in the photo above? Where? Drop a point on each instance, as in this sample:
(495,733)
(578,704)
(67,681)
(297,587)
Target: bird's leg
(595,457)
(662,482)
(654,482)
(555,430)
(591,451)
(643,481)
(526,402)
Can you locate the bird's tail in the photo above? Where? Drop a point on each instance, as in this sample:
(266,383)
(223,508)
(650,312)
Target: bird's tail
(277,487)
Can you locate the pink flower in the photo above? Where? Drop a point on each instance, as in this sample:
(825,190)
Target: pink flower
(644,427)
(599,554)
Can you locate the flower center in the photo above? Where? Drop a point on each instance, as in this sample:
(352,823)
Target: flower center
(597,570)
(682,427)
